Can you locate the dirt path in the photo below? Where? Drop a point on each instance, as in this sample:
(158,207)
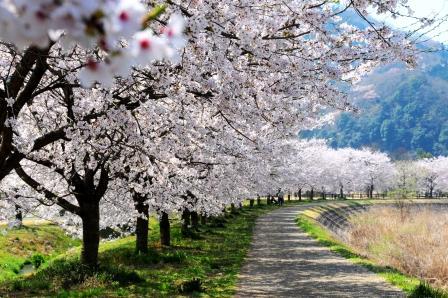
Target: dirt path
(286,262)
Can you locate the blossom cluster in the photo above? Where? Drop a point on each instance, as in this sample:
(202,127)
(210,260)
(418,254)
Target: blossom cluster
(115,30)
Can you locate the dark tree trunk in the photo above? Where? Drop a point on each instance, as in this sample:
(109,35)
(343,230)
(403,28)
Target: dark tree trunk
(251,203)
(431,190)
(19,215)
(195,220)
(22,93)
(232,208)
(90,215)
(289,197)
(185,222)
(165,237)
(142,229)
(203,219)
(312,194)
(300,194)
(258,201)
(88,196)
(341,192)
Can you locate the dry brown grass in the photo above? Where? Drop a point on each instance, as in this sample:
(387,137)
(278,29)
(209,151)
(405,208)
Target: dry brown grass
(414,241)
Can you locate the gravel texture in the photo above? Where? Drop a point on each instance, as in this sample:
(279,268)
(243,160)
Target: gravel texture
(285,262)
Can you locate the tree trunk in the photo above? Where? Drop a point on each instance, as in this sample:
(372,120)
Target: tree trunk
(251,203)
(232,208)
(195,220)
(185,222)
(312,194)
(90,215)
(203,219)
(258,201)
(165,237)
(300,194)
(289,197)
(431,190)
(19,216)
(341,192)
(142,229)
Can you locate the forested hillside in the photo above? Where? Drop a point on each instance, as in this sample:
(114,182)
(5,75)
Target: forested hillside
(401,111)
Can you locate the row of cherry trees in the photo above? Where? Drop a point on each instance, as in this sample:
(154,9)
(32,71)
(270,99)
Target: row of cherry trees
(110,110)
(314,167)
(427,176)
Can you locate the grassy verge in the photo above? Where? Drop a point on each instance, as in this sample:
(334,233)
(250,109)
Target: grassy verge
(205,265)
(33,244)
(412,286)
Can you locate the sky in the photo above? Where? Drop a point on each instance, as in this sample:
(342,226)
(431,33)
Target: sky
(426,8)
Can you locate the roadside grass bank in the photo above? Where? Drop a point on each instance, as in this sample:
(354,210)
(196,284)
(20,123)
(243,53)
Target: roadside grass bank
(31,246)
(412,286)
(412,240)
(204,265)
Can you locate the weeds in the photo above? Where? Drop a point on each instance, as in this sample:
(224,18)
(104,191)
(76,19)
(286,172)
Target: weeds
(395,277)
(30,245)
(374,234)
(424,290)
(413,241)
(65,274)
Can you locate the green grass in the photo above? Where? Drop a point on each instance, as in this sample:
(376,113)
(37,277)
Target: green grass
(34,244)
(204,267)
(410,285)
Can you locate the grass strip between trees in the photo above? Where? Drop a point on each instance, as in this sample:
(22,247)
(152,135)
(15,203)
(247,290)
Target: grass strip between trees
(412,286)
(205,264)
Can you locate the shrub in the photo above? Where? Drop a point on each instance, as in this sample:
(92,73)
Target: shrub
(66,274)
(174,257)
(37,260)
(426,291)
(190,286)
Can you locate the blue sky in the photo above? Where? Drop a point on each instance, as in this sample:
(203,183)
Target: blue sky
(426,8)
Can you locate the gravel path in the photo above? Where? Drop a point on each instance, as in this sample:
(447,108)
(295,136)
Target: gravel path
(286,262)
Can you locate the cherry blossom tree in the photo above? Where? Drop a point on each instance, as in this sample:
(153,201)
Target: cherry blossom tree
(442,174)
(431,175)
(47,32)
(197,129)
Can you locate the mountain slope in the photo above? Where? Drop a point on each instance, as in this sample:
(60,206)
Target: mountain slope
(401,111)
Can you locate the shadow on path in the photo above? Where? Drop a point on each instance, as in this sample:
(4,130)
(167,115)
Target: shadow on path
(286,262)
